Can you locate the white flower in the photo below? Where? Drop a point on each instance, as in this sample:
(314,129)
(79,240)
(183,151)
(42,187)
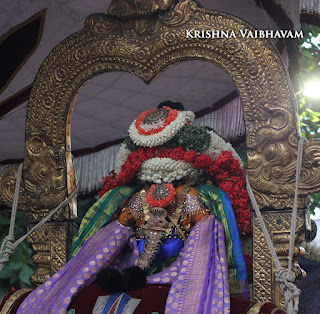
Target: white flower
(159,170)
(163,136)
(218,145)
(152,126)
(123,153)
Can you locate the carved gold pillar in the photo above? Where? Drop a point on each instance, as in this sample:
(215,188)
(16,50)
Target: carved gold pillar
(278,223)
(144,38)
(44,186)
(52,242)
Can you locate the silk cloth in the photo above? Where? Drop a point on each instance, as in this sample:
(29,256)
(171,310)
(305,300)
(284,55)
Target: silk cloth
(119,303)
(214,199)
(199,276)
(220,206)
(99,214)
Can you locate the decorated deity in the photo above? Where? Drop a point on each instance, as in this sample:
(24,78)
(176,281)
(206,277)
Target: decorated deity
(170,214)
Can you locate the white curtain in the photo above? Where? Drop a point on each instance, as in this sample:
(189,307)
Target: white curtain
(227,121)
(91,168)
(312,6)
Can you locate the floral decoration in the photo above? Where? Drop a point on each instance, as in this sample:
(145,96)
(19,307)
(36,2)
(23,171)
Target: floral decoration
(230,176)
(193,137)
(162,147)
(161,201)
(157,126)
(189,137)
(164,169)
(218,145)
(129,143)
(226,168)
(122,155)
(160,131)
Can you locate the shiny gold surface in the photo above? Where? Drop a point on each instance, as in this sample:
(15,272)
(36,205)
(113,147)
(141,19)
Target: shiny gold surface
(52,243)
(145,45)
(137,8)
(255,309)
(278,224)
(7,307)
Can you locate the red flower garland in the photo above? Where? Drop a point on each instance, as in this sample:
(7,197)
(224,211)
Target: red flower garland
(162,202)
(225,168)
(231,179)
(171,117)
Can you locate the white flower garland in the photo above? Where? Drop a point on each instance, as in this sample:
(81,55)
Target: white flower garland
(152,126)
(165,135)
(218,145)
(159,170)
(123,153)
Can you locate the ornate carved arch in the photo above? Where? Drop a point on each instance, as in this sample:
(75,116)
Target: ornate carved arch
(145,44)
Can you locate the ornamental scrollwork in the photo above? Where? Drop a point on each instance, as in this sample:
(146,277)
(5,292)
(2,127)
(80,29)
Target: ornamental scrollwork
(310,173)
(43,182)
(8,179)
(138,8)
(101,24)
(278,224)
(144,38)
(145,47)
(51,242)
(182,13)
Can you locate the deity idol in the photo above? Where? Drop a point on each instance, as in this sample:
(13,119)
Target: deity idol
(170,214)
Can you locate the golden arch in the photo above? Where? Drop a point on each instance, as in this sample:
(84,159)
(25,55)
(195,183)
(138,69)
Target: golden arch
(145,46)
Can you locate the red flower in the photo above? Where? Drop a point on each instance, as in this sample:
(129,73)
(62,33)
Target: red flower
(162,152)
(109,183)
(140,155)
(203,161)
(225,168)
(177,153)
(161,202)
(150,153)
(230,176)
(190,156)
(166,121)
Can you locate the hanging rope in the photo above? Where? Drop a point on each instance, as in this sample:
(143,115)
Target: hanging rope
(8,245)
(285,278)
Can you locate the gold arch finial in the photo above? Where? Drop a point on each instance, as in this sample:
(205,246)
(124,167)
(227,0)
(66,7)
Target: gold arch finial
(138,8)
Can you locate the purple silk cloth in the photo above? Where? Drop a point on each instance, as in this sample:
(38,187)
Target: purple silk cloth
(104,249)
(198,278)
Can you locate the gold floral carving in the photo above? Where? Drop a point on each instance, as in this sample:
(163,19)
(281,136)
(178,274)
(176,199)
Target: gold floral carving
(145,47)
(138,8)
(278,224)
(7,184)
(144,40)
(43,180)
(52,243)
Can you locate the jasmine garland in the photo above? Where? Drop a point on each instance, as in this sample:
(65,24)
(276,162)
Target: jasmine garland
(175,121)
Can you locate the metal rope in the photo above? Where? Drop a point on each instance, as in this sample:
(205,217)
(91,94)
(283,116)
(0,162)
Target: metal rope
(285,278)
(7,246)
